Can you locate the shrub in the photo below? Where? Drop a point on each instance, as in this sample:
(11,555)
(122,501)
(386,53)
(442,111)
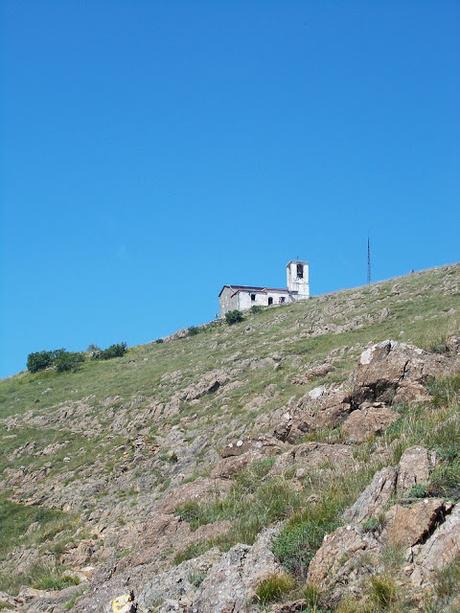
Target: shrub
(273,587)
(233,317)
(193,331)
(256,308)
(67,361)
(114,351)
(159,341)
(40,360)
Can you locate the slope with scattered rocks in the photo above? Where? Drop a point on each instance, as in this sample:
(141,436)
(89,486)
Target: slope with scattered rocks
(303,459)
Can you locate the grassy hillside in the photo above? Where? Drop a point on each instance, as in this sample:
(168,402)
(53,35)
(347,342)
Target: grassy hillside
(88,455)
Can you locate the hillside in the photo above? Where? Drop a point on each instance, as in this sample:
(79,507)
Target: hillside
(203,473)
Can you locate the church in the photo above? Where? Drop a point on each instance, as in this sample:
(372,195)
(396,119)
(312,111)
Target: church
(243,297)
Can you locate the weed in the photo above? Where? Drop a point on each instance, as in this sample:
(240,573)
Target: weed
(274,587)
(418,491)
(383,591)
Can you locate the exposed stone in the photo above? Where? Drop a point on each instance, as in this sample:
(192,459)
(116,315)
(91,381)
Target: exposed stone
(196,490)
(391,371)
(230,584)
(439,551)
(415,466)
(374,498)
(407,526)
(339,562)
(367,421)
(313,456)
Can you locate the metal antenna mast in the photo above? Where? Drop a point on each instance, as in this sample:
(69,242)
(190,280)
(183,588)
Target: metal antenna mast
(368,261)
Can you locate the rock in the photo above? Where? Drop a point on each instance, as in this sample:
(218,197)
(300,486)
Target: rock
(340,563)
(391,372)
(194,491)
(178,585)
(415,466)
(374,498)
(124,604)
(367,421)
(314,456)
(407,526)
(230,584)
(208,384)
(440,550)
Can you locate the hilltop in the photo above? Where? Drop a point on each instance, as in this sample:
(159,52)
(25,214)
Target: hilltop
(204,472)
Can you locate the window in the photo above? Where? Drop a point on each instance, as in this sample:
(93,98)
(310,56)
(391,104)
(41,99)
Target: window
(253,297)
(300,271)
(282,300)
(270,301)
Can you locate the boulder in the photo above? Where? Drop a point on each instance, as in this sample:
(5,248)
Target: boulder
(194,491)
(367,421)
(374,498)
(440,550)
(408,525)
(340,563)
(314,456)
(230,584)
(392,372)
(415,466)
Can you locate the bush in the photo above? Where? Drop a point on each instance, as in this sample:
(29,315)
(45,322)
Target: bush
(159,341)
(68,361)
(39,360)
(274,587)
(114,351)
(233,317)
(193,331)
(256,308)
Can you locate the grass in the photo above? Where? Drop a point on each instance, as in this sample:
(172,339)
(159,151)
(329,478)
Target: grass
(383,591)
(303,534)
(253,502)
(274,587)
(146,374)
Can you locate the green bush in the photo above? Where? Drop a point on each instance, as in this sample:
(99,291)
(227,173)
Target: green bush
(274,587)
(233,317)
(383,591)
(193,331)
(114,351)
(39,360)
(68,360)
(256,308)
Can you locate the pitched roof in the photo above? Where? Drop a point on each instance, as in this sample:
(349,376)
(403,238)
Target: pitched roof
(253,288)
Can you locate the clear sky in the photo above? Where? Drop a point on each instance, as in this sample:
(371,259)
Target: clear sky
(153,151)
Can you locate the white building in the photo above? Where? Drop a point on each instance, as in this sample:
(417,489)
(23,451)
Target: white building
(243,297)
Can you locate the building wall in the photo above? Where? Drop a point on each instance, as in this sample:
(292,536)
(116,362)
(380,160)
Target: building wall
(242,299)
(227,303)
(294,284)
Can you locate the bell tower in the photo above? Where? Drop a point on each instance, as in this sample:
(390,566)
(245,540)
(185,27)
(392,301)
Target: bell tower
(297,273)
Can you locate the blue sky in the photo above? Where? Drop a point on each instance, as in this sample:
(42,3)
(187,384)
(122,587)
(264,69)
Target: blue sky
(153,151)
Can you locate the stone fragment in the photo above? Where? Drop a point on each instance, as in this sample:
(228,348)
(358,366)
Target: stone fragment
(407,526)
(374,498)
(415,466)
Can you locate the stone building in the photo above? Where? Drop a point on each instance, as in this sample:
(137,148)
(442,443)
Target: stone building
(243,297)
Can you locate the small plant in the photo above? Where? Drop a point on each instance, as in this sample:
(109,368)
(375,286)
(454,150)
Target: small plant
(233,317)
(256,308)
(159,341)
(274,587)
(196,578)
(372,524)
(312,596)
(192,551)
(193,330)
(114,351)
(68,361)
(418,491)
(383,591)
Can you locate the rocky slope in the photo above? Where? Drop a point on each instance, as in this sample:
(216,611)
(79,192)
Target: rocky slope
(306,459)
